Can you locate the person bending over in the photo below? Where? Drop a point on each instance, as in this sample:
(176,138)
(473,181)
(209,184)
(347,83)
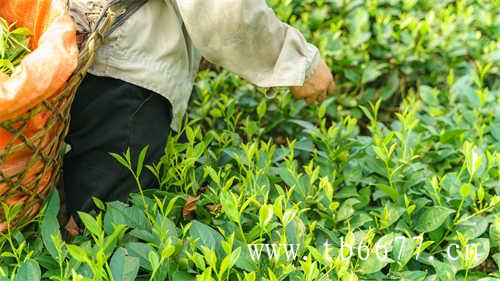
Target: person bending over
(138,88)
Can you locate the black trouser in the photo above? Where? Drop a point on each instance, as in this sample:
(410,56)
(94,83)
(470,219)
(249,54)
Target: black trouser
(110,115)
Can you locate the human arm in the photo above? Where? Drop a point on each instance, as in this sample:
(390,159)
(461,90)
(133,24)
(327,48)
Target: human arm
(247,38)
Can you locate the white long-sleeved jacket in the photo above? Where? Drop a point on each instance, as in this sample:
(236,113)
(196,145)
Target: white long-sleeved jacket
(160,46)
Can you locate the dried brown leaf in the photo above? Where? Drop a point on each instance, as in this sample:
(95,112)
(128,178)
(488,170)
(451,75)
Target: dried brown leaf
(190,206)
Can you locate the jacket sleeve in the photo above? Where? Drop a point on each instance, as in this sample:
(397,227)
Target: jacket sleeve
(247,38)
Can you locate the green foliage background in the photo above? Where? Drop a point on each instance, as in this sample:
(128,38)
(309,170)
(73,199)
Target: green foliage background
(409,146)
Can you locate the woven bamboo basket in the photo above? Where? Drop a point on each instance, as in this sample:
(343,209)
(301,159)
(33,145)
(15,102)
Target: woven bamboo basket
(24,192)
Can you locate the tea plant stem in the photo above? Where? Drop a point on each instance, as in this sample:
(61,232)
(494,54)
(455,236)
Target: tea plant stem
(462,202)
(11,243)
(242,233)
(473,215)
(448,231)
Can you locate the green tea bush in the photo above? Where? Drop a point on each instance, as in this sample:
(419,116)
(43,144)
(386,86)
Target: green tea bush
(395,177)
(385,48)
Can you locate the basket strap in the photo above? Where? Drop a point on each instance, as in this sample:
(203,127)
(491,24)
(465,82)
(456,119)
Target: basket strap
(97,19)
(123,9)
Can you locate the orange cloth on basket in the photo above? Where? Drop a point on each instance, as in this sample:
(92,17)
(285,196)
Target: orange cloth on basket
(40,76)
(43,72)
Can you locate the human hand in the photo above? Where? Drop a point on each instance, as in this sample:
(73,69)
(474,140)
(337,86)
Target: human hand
(318,87)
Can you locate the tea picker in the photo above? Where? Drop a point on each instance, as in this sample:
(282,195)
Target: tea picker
(140,79)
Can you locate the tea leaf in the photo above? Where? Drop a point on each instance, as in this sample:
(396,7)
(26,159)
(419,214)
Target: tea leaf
(141,252)
(124,267)
(90,223)
(432,218)
(29,271)
(50,225)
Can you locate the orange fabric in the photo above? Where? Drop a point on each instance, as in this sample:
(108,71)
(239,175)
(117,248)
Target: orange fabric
(55,55)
